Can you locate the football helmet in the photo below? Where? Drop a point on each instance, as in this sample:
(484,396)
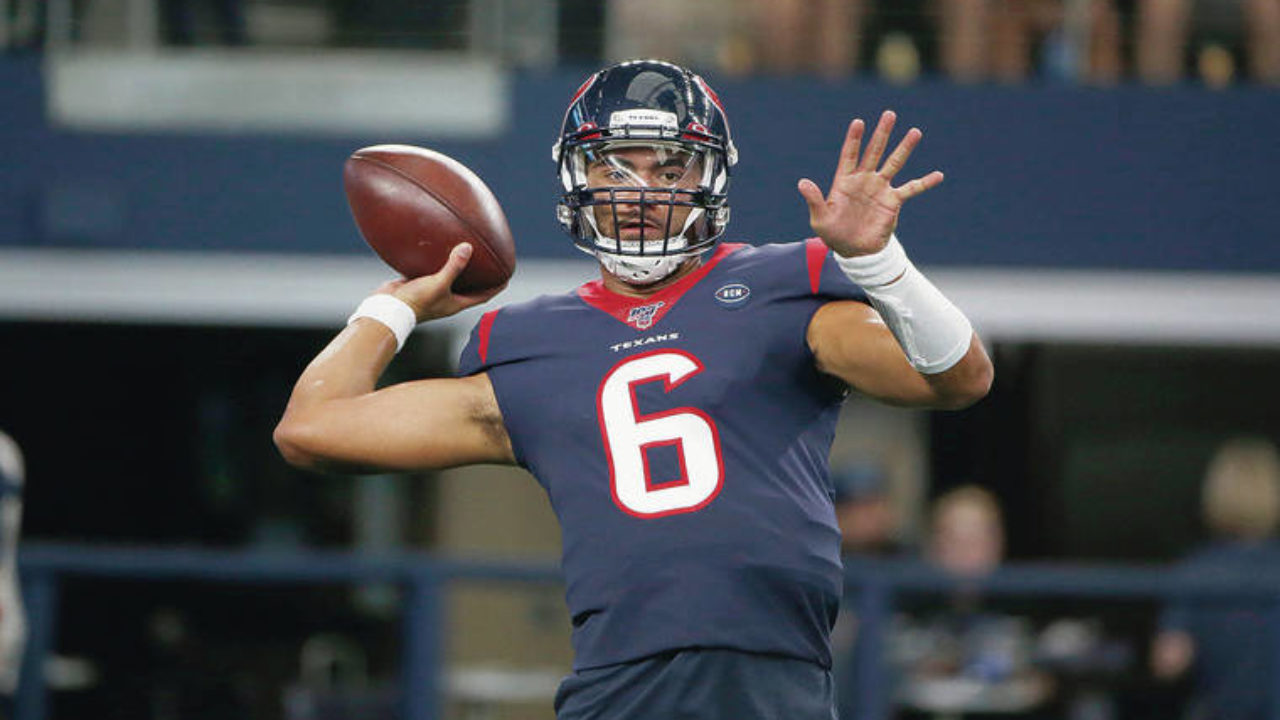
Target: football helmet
(644,156)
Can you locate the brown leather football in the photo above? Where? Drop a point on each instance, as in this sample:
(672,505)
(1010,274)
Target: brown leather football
(413,205)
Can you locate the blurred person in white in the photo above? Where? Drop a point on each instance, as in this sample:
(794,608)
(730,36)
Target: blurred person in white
(1000,40)
(13,624)
(1219,30)
(1228,647)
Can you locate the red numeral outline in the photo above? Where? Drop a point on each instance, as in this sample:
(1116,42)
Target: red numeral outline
(679,440)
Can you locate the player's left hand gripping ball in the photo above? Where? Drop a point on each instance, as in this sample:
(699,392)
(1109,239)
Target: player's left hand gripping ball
(413,205)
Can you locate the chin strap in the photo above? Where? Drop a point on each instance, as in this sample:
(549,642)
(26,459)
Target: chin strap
(640,270)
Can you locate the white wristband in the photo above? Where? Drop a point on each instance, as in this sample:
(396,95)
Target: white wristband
(879,268)
(932,331)
(390,311)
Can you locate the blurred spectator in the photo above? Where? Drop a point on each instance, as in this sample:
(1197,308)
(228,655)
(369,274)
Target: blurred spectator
(809,36)
(966,532)
(835,38)
(705,34)
(869,528)
(13,625)
(967,659)
(1219,30)
(1002,39)
(865,512)
(1227,647)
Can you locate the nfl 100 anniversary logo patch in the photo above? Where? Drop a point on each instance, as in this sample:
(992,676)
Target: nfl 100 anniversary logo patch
(641,316)
(733,295)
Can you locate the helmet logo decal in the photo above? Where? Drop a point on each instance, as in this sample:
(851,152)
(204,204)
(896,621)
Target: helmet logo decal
(643,116)
(695,131)
(642,316)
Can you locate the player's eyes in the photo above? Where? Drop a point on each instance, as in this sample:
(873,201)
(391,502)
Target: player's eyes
(605,173)
(665,176)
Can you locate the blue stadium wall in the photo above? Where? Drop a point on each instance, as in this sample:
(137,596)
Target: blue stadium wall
(1044,175)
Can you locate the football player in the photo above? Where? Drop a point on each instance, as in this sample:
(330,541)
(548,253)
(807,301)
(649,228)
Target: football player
(678,411)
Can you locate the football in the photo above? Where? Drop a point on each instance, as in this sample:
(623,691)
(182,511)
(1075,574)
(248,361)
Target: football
(413,205)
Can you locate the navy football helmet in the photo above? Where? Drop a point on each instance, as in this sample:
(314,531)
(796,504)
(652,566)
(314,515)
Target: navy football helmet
(643,157)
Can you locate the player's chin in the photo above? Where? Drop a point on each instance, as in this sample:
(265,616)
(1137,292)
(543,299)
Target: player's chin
(637,234)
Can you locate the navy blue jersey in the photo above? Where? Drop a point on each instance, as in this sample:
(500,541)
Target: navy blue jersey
(707,684)
(683,440)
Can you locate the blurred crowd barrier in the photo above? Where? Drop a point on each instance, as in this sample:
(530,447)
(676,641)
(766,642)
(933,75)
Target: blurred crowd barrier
(1217,42)
(1080,653)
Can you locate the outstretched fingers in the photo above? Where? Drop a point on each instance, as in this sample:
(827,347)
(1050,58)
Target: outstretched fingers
(857,161)
(899,156)
(908,190)
(879,141)
(849,151)
(813,198)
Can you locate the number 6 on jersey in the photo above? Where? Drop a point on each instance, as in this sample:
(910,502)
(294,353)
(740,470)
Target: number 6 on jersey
(628,434)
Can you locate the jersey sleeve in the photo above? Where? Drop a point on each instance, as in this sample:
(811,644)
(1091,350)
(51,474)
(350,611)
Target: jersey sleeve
(826,281)
(495,348)
(475,355)
(803,270)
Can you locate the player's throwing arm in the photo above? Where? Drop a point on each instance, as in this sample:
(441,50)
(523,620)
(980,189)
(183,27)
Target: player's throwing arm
(337,419)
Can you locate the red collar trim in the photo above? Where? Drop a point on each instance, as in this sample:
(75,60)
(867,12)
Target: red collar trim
(645,312)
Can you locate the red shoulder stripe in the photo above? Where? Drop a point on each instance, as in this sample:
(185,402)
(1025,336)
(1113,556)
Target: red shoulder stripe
(486,326)
(815,252)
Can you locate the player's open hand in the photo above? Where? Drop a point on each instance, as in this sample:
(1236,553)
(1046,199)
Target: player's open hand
(432,296)
(861,211)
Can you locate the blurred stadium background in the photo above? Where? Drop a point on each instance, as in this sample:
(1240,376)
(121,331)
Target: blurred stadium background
(174,245)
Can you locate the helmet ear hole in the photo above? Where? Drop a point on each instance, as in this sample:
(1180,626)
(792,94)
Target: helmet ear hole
(721,215)
(565,216)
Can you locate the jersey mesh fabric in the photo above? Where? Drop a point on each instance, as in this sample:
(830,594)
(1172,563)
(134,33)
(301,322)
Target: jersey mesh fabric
(683,442)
